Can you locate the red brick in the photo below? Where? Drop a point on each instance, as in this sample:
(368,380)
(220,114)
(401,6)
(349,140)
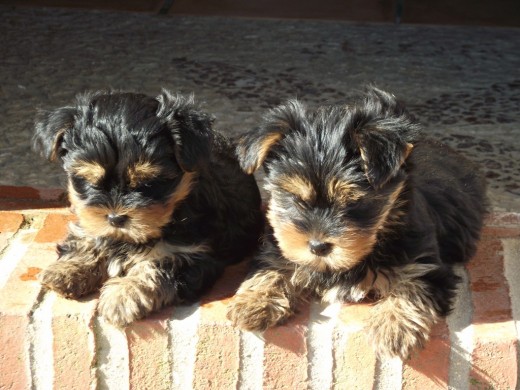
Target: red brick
(429,368)
(73,343)
(14,362)
(227,284)
(21,291)
(501,231)
(17,300)
(503,219)
(54,228)
(29,198)
(354,357)
(9,224)
(285,353)
(217,357)
(494,357)
(218,346)
(490,294)
(30,193)
(149,353)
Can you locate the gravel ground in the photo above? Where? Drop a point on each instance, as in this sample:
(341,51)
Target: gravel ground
(462,83)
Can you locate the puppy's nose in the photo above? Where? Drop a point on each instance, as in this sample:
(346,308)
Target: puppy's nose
(319,248)
(117,220)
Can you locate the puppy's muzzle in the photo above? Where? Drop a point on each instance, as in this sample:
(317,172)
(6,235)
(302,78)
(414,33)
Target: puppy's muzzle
(117,220)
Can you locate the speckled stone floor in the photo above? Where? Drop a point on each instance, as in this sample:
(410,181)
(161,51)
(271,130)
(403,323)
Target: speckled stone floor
(462,83)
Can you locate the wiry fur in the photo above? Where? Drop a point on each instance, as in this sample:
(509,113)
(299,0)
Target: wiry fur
(161,201)
(361,206)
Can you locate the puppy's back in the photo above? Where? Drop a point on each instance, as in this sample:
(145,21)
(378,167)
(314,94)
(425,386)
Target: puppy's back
(455,192)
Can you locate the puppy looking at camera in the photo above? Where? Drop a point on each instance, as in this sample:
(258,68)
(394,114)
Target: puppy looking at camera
(161,202)
(360,207)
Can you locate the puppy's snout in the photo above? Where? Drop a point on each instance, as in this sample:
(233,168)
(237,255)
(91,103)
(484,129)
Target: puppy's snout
(117,220)
(320,248)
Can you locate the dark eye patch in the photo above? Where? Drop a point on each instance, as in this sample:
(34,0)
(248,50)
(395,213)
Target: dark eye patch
(158,188)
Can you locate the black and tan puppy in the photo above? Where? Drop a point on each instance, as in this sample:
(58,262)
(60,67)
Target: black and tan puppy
(161,201)
(360,207)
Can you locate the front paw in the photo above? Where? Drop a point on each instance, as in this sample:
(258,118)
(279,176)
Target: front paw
(123,301)
(67,279)
(396,335)
(257,312)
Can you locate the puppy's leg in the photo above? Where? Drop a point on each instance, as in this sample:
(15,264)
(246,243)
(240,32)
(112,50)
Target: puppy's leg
(266,299)
(80,269)
(154,283)
(419,295)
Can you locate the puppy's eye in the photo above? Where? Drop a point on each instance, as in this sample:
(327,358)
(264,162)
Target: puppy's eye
(81,184)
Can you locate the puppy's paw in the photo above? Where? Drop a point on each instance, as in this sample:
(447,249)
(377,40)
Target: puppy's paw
(123,301)
(256,312)
(395,335)
(67,279)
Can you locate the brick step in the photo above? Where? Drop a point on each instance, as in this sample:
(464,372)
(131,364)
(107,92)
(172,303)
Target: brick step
(51,342)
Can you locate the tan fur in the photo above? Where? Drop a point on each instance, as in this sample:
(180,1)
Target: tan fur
(263,150)
(142,171)
(408,150)
(56,142)
(400,323)
(161,250)
(392,214)
(74,277)
(299,187)
(347,251)
(144,223)
(265,300)
(344,191)
(91,171)
(126,299)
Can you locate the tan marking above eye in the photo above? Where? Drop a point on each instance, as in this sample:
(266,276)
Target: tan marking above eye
(91,171)
(142,171)
(299,187)
(344,191)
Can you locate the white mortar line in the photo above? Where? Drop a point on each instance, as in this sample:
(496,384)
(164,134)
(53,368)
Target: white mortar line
(461,335)
(323,319)
(112,356)
(512,274)
(184,337)
(41,358)
(389,374)
(17,247)
(251,372)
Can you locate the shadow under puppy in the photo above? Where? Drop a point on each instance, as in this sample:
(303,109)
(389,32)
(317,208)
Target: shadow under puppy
(161,201)
(360,207)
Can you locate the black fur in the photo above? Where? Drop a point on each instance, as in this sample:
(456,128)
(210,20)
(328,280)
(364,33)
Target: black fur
(373,145)
(116,130)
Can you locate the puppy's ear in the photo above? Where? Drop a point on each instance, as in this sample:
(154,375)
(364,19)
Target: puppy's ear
(50,127)
(384,133)
(190,129)
(254,146)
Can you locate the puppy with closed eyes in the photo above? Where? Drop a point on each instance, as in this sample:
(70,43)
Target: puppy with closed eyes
(361,206)
(162,205)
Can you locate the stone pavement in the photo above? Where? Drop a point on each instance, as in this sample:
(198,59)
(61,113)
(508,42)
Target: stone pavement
(462,83)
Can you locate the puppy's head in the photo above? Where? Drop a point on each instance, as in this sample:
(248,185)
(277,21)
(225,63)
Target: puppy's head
(130,159)
(334,176)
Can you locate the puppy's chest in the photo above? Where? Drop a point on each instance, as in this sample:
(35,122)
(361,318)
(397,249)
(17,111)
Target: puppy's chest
(342,288)
(164,254)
